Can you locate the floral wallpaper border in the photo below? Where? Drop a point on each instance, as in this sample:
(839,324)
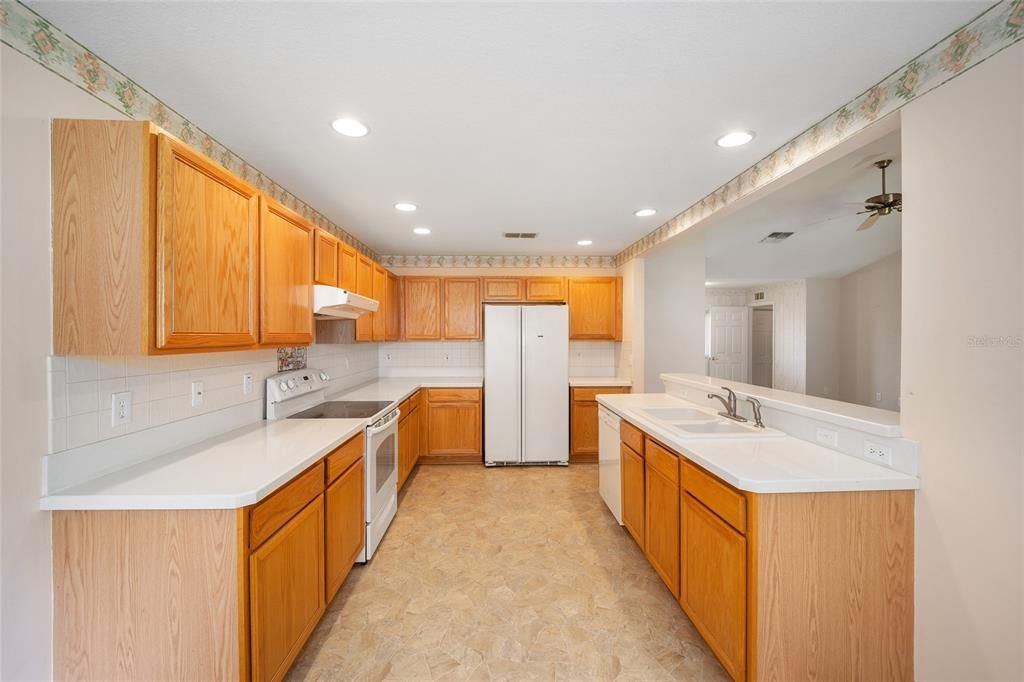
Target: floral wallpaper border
(992,31)
(498,261)
(31,35)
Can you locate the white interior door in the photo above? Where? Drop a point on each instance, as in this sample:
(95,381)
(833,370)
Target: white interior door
(502,381)
(762,330)
(727,335)
(545,383)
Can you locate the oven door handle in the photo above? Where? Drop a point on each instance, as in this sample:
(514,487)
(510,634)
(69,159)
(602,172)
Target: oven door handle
(373,431)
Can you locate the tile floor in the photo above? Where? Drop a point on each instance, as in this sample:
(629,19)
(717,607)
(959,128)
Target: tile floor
(505,574)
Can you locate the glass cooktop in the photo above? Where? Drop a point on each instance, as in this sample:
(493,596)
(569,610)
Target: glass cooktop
(343,409)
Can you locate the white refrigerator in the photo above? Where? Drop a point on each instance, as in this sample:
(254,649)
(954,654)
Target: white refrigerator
(526,384)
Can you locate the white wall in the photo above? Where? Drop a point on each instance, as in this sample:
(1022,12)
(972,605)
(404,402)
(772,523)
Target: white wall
(963,368)
(631,351)
(718,296)
(789,351)
(869,324)
(673,306)
(823,345)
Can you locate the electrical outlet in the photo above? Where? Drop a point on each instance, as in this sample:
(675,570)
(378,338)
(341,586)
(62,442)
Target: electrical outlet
(446,357)
(120,408)
(247,383)
(828,438)
(878,396)
(197,394)
(877,453)
(387,356)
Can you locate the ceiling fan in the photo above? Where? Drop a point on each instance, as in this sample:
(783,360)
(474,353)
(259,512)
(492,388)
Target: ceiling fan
(881,204)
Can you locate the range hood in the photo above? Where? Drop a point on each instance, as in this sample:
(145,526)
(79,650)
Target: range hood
(332,303)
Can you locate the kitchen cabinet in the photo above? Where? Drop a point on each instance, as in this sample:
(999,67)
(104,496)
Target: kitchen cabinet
(421,319)
(595,308)
(348,261)
(502,289)
(461,308)
(364,287)
(633,507)
(545,289)
(393,331)
(583,424)
(155,247)
(661,513)
(286,592)
(286,275)
(344,523)
(380,292)
(326,259)
(453,425)
(713,589)
(408,438)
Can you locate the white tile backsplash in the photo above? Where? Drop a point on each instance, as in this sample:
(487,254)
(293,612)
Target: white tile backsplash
(593,358)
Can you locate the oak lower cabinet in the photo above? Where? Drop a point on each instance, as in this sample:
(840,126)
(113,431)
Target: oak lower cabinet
(345,523)
(409,431)
(583,421)
(633,493)
(454,434)
(661,513)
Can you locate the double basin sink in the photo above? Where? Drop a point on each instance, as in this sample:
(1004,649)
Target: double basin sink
(690,422)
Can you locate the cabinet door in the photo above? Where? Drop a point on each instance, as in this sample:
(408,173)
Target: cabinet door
(345,525)
(713,589)
(583,431)
(286,592)
(394,311)
(364,287)
(404,449)
(549,289)
(326,251)
(453,429)
(632,493)
(661,518)
(503,288)
(207,224)
(348,261)
(461,308)
(380,292)
(286,281)
(416,436)
(422,310)
(594,308)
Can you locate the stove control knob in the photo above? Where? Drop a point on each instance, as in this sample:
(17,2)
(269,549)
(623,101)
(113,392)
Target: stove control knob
(291,383)
(283,386)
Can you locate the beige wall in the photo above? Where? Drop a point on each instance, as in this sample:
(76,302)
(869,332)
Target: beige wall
(963,255)
(869,324)
(823,341)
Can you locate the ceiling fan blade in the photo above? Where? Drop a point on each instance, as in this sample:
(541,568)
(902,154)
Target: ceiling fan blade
(869,223)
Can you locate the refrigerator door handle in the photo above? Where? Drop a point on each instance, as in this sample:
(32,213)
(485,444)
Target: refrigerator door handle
(522,385)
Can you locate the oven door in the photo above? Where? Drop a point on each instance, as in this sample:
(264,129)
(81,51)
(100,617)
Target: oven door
(381,479)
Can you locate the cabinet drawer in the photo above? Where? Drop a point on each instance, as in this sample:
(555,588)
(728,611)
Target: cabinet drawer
(272,513)
(717,496)
(591,393)
(662,460)
(453,395)
(347,454)
(632,436)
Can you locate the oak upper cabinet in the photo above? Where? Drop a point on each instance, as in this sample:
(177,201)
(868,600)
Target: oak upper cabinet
(286,592)
(348,260)
(661,517)
(344,524)
(326,257)
(632,480)
(503,289)
(595,308)
(461,308)
(583,421)
(421,318)
(364,287)
(454,424)
(393,327)
(155,247)
(286,275)
(380,292)
(545,289)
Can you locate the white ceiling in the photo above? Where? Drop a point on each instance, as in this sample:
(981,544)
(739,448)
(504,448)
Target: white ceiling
(820,210)
(556,118)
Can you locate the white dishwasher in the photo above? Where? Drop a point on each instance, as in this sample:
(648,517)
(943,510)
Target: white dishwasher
(608,472)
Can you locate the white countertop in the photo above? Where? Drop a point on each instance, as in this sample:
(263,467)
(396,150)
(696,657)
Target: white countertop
(860,417)
(586,382)
(240,467)
(761,465)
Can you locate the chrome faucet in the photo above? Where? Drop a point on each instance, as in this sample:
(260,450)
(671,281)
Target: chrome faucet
(729,404)
(756,405)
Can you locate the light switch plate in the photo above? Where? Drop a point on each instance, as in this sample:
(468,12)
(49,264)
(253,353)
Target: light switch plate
(120,408)
(197,394)
(827,437)
(247,385)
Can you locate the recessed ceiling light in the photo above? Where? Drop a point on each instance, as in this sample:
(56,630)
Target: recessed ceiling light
(405,206)
(421,230)
(735,139)
(644,212)
(349,127)
(584,242)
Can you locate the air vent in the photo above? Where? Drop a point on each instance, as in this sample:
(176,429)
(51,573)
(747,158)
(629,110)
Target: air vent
(520,235)
(776,237)
(759,296)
